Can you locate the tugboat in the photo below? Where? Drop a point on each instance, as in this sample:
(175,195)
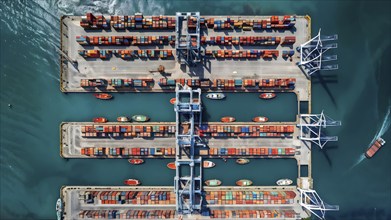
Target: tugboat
(208,164)
(100,120)
(103,96)
(372,150)
(267,95)
(215,96)
(132,182)
(59,209)
(284,182)
(214,182)
(244,182)
(136,161)
(171,165)
(260,119)
(242,161)
(173,100)
(228,119)
(122,119)
(140,118)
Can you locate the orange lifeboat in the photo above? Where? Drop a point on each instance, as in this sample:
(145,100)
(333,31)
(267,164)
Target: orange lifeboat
(136,161)
(267,95)
(171,165)
(228,119)
(100,120)
(132,182)
(103,96)
(260,119)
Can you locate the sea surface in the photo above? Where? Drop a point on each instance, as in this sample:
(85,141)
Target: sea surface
(358,94)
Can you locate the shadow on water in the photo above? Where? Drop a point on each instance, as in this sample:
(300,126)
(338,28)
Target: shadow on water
(325,154)
(323,80)
(363,213)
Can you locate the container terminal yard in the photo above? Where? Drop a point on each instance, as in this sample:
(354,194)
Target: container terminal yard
(193,54)
(231,47)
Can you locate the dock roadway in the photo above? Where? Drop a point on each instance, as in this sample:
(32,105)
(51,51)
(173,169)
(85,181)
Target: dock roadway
(74,200)
(213,68)
(72,141)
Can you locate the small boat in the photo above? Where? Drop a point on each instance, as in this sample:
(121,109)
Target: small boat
(103,96)
(140,118)
(242,161)
(372,150)
(132,182)
(260,119)
(244,182)
(171,165)
(136,161)
(228,119)
(173,100)
(208,164)
(214,182)
(122,119)
(59,209)
(215,96)
(284,182)
(267,95)
(100,120)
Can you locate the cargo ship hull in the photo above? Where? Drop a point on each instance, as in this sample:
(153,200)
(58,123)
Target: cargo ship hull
(372,150)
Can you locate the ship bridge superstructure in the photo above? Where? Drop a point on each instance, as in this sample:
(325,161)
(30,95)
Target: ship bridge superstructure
(188,178)
(311,54)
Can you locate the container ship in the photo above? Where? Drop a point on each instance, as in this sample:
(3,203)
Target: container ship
(375,147)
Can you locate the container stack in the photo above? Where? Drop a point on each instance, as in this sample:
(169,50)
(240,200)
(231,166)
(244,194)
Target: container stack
(289,40)
(94,22)
(127,214)
(117,83)
(267,131)
(127,152)
(127,131)
(255,214)
(126,40)
(249,197)
(138,21)
(127,54)
(251,151)
(230,84)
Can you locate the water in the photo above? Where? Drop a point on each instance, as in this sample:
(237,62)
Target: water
(358,94)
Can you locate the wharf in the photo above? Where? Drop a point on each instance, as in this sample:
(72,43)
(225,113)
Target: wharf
(95,68)
(72,141)
(74,199)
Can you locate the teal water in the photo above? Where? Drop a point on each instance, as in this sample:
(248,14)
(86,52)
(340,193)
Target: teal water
(358,94)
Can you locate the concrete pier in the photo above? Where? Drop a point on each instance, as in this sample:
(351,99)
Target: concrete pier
(210,69)
(78,198)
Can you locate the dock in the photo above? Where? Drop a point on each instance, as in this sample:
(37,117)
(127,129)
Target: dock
(190,53)
(274,202)
(72,141)
(74,67)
